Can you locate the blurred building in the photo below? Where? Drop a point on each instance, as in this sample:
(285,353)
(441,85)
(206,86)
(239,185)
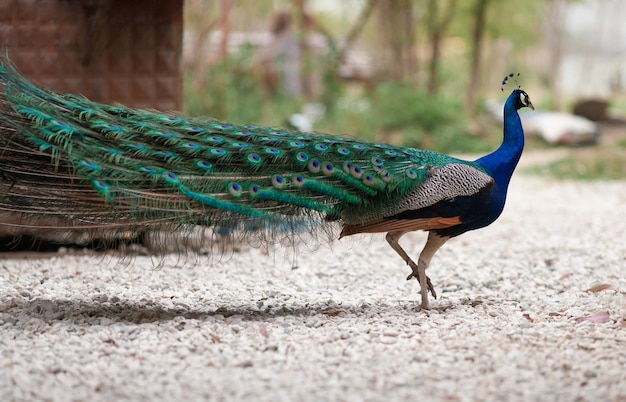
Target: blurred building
(592,44)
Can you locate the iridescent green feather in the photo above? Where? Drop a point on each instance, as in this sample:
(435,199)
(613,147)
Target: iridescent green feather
(143,167)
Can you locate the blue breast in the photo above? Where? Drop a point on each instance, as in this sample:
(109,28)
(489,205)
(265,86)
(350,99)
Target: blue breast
(481,209)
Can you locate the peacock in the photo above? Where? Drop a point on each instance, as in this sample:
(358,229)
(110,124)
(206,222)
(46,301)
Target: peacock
(68,163)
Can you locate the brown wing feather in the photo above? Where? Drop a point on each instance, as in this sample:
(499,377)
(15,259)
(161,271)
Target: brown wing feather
(401,225)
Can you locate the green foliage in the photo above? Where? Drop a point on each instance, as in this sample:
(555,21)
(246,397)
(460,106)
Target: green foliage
(505,19)
(391,112)
(229,91)
(232,91)
(617,106)
(423,120)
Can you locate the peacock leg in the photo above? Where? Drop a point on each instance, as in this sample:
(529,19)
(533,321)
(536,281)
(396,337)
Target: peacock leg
(393,239)
(433,244)
(426,285)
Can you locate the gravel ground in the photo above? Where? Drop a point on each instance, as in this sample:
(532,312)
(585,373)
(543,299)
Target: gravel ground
(531,308)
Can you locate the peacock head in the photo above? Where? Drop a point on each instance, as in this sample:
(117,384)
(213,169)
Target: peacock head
(521,99)
(519,96)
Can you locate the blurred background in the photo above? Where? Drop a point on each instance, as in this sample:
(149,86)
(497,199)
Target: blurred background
(421,73)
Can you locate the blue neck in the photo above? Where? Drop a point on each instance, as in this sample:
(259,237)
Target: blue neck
(501,163)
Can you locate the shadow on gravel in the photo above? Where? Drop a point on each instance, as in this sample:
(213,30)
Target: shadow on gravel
(91,312)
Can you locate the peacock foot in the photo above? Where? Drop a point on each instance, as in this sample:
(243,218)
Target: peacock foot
(429,283)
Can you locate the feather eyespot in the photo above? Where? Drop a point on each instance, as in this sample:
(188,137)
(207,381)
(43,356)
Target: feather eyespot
(254,190)
(278,181)
(377,161)
(222,126)
(343,151)
(239,145)
(296,144)
(148,170)
(390,152)
(170,177)
(100,185)
(321,147)
(298,181)
(347,167)
(411,173)
(254,159)
(314,165)
(356,172)
(272,151)
(368,180)
(204,165)
(328,168)
(218,151)
(386,176)
(190,145)
(214,139)
(235,189)
(103,189)
(302,157)
(360,147)
(89,164)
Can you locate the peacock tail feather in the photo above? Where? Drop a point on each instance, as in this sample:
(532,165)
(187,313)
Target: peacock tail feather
(83,165)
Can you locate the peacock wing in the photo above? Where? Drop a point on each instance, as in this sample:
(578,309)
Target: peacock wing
(432,204)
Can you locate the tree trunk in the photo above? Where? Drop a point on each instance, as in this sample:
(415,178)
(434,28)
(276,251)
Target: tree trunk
(304,28)
(436,31)
(555,43)
(225,28)
(356,29)
(202,22)
(397,57)
(478,36)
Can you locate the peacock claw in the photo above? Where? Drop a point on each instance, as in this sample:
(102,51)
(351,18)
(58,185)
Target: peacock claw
(431,288)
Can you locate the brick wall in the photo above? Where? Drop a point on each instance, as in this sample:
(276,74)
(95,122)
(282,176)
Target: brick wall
(124,51)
